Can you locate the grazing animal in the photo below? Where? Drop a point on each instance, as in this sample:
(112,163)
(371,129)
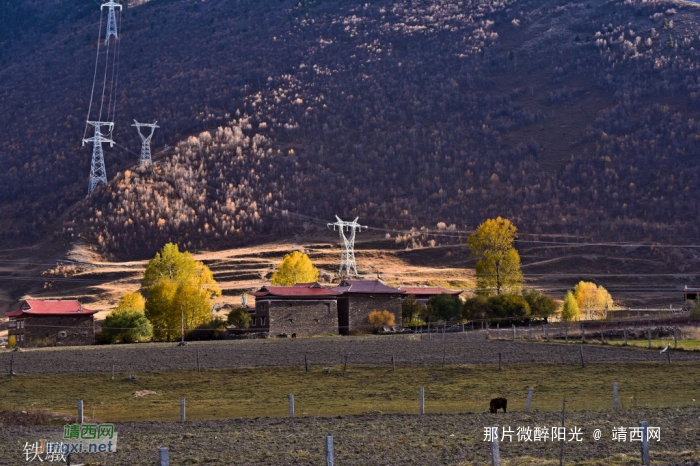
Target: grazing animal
(498,403)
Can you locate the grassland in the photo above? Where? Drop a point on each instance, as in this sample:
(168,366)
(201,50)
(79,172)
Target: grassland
(263,392)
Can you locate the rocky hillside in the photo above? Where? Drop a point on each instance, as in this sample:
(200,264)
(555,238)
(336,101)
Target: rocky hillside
(567,117)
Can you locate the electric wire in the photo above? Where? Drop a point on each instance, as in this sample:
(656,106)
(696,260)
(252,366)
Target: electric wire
(94,78)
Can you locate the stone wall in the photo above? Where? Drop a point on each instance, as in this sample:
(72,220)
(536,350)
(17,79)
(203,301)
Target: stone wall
(360,305)
(302,317)
(56,331)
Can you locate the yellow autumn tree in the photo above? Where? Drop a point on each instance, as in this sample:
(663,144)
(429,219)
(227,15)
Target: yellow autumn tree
(180,291)
(593,301)
(498,266)
(569,310)
(296,267)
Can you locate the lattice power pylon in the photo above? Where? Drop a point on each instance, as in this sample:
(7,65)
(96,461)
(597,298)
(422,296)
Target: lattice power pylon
(111,19)
(145,141)
(347,259)
(98,172)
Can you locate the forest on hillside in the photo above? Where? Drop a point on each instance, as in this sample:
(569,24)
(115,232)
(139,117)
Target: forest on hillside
(566,117)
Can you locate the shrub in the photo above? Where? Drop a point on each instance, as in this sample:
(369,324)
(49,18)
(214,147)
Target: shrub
(215,329)
(444,307)
(411,311)
(239,318)
(379,319)
(694,311)
(12,341)
(126,326)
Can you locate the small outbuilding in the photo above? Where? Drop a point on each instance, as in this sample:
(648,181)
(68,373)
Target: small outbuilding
(360,297)
(51,323)
(302,309)
(424,293)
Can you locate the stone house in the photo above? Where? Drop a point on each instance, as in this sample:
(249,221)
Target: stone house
(302,309)
(51,323)
(424,293)
(360,297)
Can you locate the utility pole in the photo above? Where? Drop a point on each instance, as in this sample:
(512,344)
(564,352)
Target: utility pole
(145,141)
(98,172)
(347,259)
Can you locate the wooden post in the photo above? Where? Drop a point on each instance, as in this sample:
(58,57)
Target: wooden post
(345,366)
(393,362)
(499,361)
(583,333)
(306,363)
(513,332)
(197,361)
(646,461)
(462,327)
(495,452)
(529,399)
(443,331)
(561,442)
(329,451)
(80,411)
(675,338)
(12,363)
(421,400)
(163,457)
(668,353)
(291,405)
(566,331)
(544,330)
(649,335)
(624,333)
(615,402)
(112,368)
(182,410)
(430,335)
(444,350)
(583,363)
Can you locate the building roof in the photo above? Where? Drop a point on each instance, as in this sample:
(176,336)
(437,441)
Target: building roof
(366,286)
(296,291)
(429,290)
(37,307)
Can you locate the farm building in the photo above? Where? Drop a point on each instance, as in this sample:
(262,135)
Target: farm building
(302,309)
(424,293)
(691,294)
(51,323)
(360,297)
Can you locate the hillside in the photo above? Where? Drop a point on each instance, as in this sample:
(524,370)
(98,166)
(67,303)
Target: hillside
(567,117)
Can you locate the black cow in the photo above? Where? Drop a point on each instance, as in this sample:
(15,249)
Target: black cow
(498,403)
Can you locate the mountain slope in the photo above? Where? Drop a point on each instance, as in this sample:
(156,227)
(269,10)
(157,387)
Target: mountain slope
(567,117)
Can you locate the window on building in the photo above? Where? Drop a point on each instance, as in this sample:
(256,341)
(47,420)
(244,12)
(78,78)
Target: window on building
(328,308)
(263,320)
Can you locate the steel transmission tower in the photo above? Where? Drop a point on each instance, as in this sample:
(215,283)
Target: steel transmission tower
(111,19)
(347,259)
(145,141)
(98,172)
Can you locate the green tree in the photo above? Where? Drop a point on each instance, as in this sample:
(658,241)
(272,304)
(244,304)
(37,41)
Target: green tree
(541,305)
(498,266)
(444,307)
(508,306)
(593,301)
(126,326)
(411,312)
(296,267)
(569,310)
(179,290)
(476,307)
(239,318)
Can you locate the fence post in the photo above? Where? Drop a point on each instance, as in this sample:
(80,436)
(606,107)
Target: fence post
(495,452)
(80,411)
(345,366)
(649,335)
(499,361)
(675,338)
(615,403)
(422,400)
(197,361)
(513,332)
(163,457)
(583,363)
(561,442)
(529,399)
(645,443)
(624,333)
(566,331)
(330,461)
(306,363)
(182,410)
(393,362)
(583,333)
(291,405)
